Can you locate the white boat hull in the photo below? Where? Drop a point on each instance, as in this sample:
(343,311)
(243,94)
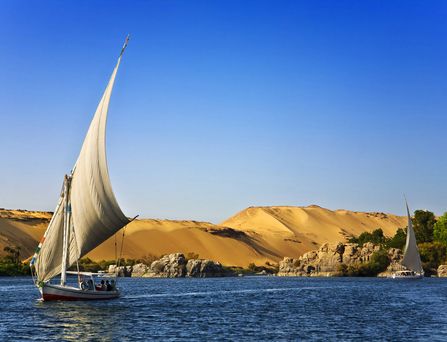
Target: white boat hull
(57,292)
(406,275)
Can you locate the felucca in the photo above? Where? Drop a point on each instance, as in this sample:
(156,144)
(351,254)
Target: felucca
(411,260)
(86,214)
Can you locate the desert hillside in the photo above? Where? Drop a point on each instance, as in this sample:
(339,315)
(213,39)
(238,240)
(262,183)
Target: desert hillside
(22,228)
(256,234)
(158,237)
(288,231)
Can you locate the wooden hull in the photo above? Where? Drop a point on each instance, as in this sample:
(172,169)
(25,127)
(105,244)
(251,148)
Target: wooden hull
(57,292)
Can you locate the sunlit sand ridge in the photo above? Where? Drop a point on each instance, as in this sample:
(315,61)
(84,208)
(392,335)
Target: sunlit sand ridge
(256,234)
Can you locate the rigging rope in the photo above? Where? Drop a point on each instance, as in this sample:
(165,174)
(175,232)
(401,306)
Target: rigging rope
(116,255)
(121,249)
(122,244)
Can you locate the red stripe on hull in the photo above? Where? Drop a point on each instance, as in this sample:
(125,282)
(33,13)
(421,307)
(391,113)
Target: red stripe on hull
(48,297)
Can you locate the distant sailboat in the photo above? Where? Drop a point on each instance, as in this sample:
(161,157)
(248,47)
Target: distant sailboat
(86,215)
(411,260)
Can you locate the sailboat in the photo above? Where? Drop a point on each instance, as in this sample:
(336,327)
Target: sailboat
(86,215)
(411,260)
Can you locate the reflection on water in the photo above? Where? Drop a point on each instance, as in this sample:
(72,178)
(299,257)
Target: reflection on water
(79,321)
(261,308)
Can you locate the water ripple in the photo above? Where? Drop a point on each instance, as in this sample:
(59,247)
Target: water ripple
(261,308)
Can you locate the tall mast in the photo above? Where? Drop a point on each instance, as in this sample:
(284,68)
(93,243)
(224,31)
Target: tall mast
(67,219)
(125,45)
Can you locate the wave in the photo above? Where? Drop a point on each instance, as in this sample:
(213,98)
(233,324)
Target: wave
(209,293)
(8,288)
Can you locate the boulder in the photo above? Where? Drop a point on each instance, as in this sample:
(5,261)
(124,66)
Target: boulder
(395,254)
(139,270)
(120,271)
(442,271)
(169,266)
(204,268)
(193,267)
(111,269)
(350,253)
(290,267)
(367,250)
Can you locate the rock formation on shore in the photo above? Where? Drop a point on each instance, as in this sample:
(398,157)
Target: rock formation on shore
(329,258)
(173,266)
(120,271)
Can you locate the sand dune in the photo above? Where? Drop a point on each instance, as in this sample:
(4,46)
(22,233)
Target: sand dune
(292,231)
(158,237)
(256,234)
(22,228)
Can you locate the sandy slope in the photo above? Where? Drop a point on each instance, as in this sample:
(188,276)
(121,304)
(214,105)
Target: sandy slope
(158,237)
(22,228)
(259,234)
(292,231)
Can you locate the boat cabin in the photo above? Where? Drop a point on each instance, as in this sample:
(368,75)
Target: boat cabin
(406,273)
(101,281)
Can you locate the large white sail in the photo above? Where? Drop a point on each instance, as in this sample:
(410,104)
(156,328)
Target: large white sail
(95,213)
(412,259)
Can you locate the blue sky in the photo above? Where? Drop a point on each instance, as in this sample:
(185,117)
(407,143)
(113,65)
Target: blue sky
(221,105)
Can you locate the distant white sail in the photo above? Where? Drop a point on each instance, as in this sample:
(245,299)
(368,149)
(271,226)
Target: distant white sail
(412,259)
(95,213)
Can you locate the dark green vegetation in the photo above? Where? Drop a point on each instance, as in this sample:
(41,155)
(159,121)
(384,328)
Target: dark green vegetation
(431,235)
(432,254)
(423,224)
(440,229)
(378,238)
(398,240)
(11,265)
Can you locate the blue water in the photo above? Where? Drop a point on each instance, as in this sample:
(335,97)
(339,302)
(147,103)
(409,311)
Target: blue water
(248,308)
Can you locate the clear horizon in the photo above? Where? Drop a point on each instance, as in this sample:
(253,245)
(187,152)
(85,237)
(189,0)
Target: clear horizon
(219,106)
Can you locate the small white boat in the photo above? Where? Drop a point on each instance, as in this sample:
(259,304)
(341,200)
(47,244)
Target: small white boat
(407,275)
(86,215)
(86,289)
(411,260)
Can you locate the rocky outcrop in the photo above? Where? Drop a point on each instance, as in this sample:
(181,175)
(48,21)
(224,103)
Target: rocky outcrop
(204,268)
(120,271)
(327,260)
(139,270)
(442,271)
(169,266)
(173,266)
(291,267)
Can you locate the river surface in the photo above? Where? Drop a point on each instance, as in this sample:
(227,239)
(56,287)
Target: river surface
(233,309)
